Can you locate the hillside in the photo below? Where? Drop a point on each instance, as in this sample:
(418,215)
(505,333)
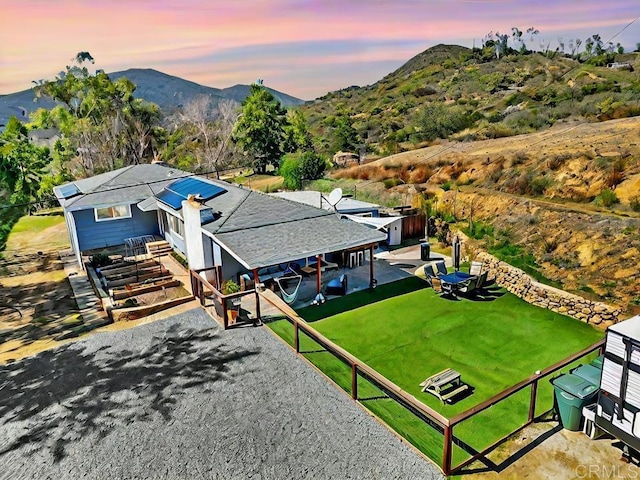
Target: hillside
(167,91)
(462,94)
(539,194)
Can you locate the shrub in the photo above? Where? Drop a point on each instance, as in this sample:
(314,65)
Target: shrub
(519,158)
(420,174)
(100,260)
(391,182)
(446,186)
(539,185)
(635,204)
(229,287)
(607,198)
(556,161)
(297,167)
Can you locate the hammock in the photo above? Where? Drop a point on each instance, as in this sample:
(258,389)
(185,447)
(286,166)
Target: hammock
(286,296)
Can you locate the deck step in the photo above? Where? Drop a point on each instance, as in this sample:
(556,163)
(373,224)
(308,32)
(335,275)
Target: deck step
(160,247)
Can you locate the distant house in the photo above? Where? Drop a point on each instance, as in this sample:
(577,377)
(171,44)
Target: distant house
(211,222)
(351,209)
(346,205)
(44,136)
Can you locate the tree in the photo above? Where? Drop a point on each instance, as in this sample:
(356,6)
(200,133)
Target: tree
(532,32)
(597,44)
(345,137)
(259,131)
(588,46)
(501,44)
(297,136)
(516,35)
(22,164)
(209,130)
(107,127)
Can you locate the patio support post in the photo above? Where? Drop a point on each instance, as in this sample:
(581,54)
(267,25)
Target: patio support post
(354,381)
(225,313)
(371,279)
(318,279)
(256,280)
(532,402)
(446,454)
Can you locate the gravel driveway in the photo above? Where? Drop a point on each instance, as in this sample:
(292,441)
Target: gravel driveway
(180,398)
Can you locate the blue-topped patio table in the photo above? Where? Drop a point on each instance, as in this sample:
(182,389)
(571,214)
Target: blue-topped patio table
(451,281)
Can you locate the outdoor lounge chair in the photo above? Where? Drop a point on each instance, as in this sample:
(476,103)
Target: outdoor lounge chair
(441,269)
(337,286)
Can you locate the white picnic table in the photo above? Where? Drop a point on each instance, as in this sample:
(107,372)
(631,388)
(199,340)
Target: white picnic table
(445,385)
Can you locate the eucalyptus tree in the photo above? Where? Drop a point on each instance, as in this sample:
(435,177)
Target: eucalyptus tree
(107,127)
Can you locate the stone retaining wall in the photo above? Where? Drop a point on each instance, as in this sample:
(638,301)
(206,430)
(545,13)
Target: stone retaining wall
(522,285)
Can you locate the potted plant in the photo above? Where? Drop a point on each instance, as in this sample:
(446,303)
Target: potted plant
(229,287)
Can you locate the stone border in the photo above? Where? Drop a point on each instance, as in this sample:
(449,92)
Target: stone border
(522,285)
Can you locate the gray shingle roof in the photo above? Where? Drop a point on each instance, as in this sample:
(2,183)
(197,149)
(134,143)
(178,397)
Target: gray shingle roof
(263,230)
(125,185)
(286,242)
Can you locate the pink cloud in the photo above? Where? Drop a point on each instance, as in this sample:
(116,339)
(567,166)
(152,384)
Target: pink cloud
(38,38)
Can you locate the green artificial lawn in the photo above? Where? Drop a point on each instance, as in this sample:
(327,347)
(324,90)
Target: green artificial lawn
(494,343)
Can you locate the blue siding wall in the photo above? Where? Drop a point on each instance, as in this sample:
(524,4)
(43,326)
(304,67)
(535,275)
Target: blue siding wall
(92,234)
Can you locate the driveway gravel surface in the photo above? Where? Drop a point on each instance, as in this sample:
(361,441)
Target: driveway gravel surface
(181,398)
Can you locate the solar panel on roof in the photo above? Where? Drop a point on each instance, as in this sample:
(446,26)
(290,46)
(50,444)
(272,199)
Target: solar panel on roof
(194,186)
(69,190)
(171,199)
(174,193)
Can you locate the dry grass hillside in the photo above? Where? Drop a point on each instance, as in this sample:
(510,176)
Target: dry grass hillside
(569,196)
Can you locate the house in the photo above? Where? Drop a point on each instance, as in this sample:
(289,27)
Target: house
(351,209)
(346,205)
(211,222)
(101,211)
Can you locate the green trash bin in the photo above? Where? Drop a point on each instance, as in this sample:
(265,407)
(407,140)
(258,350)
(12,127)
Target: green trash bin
(590,373)
(572,393)
(598,361)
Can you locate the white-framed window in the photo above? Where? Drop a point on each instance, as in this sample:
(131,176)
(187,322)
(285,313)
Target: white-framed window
(176,225)
(114,212)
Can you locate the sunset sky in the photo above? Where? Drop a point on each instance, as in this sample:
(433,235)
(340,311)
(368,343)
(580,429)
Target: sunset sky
(301,47)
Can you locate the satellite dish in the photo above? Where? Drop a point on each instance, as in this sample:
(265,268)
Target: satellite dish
(335,196)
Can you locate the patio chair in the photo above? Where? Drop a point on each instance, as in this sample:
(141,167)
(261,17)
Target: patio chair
(428,271)
(468,286)
(436,284)
(475,268)
(441,269)
(337,286)
(482,279)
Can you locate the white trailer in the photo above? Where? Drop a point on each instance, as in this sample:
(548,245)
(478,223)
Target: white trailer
(618,408)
